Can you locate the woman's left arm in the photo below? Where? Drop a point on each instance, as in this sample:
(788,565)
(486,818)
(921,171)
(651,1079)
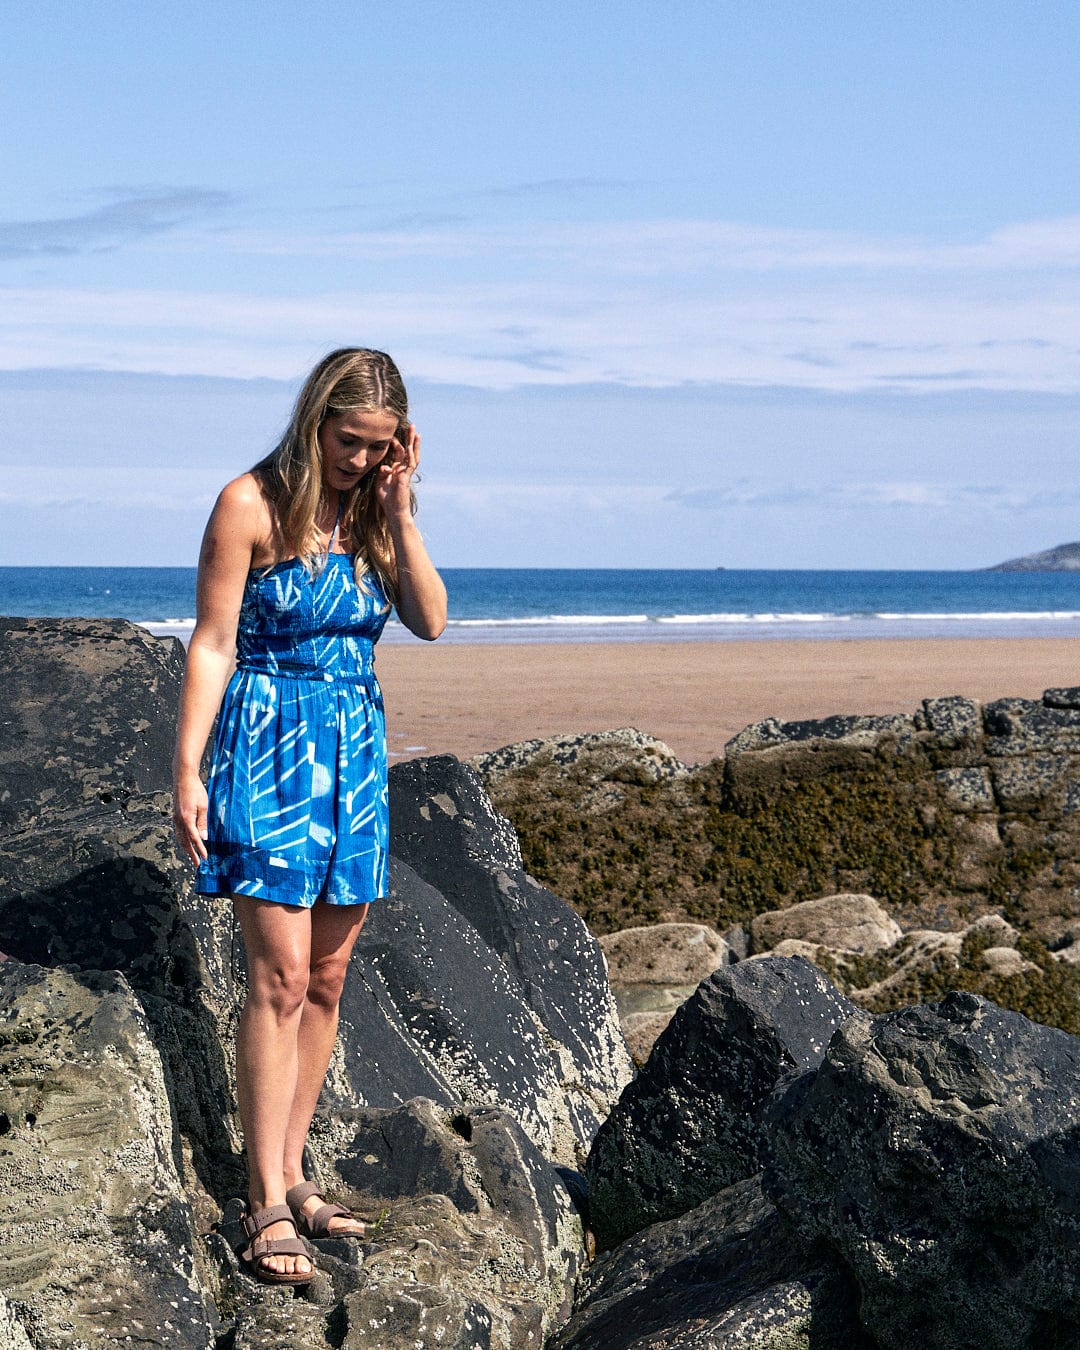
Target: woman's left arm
(421,602)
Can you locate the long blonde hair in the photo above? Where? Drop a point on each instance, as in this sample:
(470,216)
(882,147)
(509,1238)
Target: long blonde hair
(351,379)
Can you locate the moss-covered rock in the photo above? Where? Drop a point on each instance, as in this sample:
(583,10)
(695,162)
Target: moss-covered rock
(952,813)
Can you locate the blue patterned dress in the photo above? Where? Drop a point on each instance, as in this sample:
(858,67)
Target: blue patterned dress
(298,802)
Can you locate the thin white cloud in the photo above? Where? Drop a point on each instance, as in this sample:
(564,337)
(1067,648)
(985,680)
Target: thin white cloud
(888,495)
(651,304)
(651,247)
(159,489)
(132,216)
(501,335)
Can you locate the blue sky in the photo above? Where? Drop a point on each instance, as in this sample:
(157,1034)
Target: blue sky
(785,284)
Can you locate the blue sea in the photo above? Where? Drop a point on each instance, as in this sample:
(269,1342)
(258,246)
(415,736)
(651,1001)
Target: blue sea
(621,605)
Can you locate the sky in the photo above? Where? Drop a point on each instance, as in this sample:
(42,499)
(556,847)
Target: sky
(783,284)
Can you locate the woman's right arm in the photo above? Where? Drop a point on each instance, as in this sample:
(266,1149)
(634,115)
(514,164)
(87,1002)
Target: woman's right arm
(224,561)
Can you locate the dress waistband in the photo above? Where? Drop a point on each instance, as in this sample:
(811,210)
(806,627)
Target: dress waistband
(364,675)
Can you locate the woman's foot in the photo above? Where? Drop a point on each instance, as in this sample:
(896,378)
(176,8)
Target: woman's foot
(275,1254)
(316,1217)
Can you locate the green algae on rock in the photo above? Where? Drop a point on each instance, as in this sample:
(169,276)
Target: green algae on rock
(957,811)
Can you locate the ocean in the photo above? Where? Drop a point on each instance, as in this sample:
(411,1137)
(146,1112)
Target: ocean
(620,605)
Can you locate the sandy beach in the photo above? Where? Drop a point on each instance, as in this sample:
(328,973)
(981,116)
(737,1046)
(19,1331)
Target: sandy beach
(693,695)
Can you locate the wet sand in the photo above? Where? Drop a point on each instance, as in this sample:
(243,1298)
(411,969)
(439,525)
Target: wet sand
(693,695)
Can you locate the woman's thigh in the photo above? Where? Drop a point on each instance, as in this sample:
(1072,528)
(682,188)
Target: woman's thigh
(334,930)
(277,939)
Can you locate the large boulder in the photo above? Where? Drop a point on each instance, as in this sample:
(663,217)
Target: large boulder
(842,923)
(99,1241)
(430,1010)
(445,828)
(937,1152)
(689,1123)
(474,1239)
(956,810)
(89,874)
(728,1273)
(68,690)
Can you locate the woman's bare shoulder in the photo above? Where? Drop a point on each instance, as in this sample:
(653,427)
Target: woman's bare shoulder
(242,506)
(243,494)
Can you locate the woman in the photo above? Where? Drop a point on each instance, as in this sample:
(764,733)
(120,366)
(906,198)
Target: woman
(301,560)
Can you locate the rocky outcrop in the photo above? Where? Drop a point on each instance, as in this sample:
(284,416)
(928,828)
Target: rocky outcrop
(689,1123)
(920,1181)
(936,1153)
(956,812)
(1061,558)
(462,998)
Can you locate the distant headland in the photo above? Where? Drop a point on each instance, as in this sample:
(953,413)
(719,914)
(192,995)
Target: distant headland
(1063,558)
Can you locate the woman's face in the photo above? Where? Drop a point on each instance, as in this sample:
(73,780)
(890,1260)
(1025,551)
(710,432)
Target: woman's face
(352,443)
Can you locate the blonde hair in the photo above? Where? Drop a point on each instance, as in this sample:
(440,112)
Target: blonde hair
(351,379)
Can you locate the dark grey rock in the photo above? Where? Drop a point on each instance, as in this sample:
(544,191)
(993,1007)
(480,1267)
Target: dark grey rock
(1022,726)
(967,789)
(728,1273)
(99,1243)
(68,687)
(1026,784)
(430,1010)
(445,828)
(738,941)
(688,1125)
(937,1152)
(1062,698)
(474,1213)
(955,721)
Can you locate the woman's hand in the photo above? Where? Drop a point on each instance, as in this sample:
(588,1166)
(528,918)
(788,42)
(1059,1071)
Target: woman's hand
(189,815)
(393,487)
(421,603)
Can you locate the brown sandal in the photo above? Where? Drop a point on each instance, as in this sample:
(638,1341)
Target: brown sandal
(316,1225)
(260,1247)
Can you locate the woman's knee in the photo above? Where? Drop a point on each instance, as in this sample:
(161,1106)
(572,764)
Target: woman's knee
(279,985)
(326,981)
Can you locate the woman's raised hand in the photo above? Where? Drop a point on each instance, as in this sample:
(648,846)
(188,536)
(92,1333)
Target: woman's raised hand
(395,475)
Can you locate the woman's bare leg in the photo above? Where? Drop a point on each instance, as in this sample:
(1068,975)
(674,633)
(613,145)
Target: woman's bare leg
(277,940)
(334,930)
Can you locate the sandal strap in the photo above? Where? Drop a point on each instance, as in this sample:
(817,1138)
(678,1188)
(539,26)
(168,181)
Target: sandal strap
(318,1223)
(303,1190)
(262,1246)
(253,1224)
